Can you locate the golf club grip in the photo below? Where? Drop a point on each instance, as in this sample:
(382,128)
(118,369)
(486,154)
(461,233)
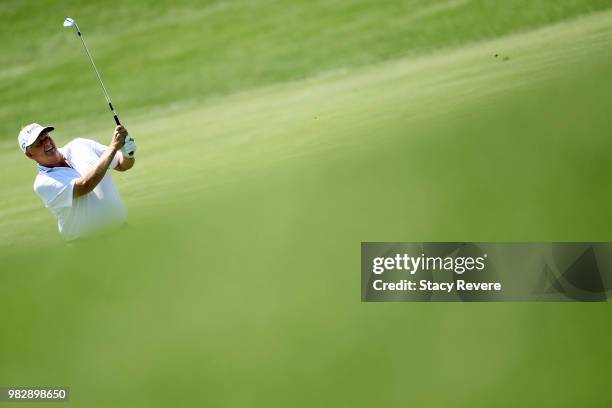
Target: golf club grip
(131,154)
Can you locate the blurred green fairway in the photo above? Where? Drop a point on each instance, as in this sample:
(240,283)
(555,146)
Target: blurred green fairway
(273,138)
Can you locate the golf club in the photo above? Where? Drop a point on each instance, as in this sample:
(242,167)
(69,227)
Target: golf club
(70,22)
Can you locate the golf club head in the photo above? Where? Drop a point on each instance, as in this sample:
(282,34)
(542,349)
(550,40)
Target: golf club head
(69,22)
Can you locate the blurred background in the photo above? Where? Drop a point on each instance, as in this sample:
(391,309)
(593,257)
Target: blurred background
(274,137)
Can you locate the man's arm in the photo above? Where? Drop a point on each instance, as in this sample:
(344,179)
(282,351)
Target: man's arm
(126,158)
(125,163)
(90,180)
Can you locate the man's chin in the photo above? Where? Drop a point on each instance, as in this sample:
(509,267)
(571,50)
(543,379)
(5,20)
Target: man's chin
(52,159)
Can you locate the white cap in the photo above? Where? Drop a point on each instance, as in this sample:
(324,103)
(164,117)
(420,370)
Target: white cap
(30,133)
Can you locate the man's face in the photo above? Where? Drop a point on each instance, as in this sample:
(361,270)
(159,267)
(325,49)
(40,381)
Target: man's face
(44,151)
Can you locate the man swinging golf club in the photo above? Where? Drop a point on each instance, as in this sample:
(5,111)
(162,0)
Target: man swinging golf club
(73,181)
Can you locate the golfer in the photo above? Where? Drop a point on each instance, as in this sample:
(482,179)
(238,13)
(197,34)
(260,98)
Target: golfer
(73,181)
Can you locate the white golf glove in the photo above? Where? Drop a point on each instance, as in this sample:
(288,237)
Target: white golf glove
(129,147)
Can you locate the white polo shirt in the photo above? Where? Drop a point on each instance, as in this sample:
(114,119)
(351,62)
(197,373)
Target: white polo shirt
(99,210)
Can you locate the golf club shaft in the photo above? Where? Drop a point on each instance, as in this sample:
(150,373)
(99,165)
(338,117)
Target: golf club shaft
(93,64)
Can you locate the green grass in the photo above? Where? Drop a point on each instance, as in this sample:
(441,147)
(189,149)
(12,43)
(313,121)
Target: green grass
(152,54)
(237,283)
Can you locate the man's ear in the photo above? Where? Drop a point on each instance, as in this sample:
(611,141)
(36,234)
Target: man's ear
(29,154)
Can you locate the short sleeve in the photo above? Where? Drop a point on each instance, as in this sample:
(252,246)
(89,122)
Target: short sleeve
(99,148)
(55,193)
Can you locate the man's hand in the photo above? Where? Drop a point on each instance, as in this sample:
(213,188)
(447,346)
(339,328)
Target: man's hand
(129,147)
(118,138)
(126,161)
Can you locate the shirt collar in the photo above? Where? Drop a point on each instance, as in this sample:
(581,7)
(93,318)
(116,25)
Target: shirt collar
(43,169)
